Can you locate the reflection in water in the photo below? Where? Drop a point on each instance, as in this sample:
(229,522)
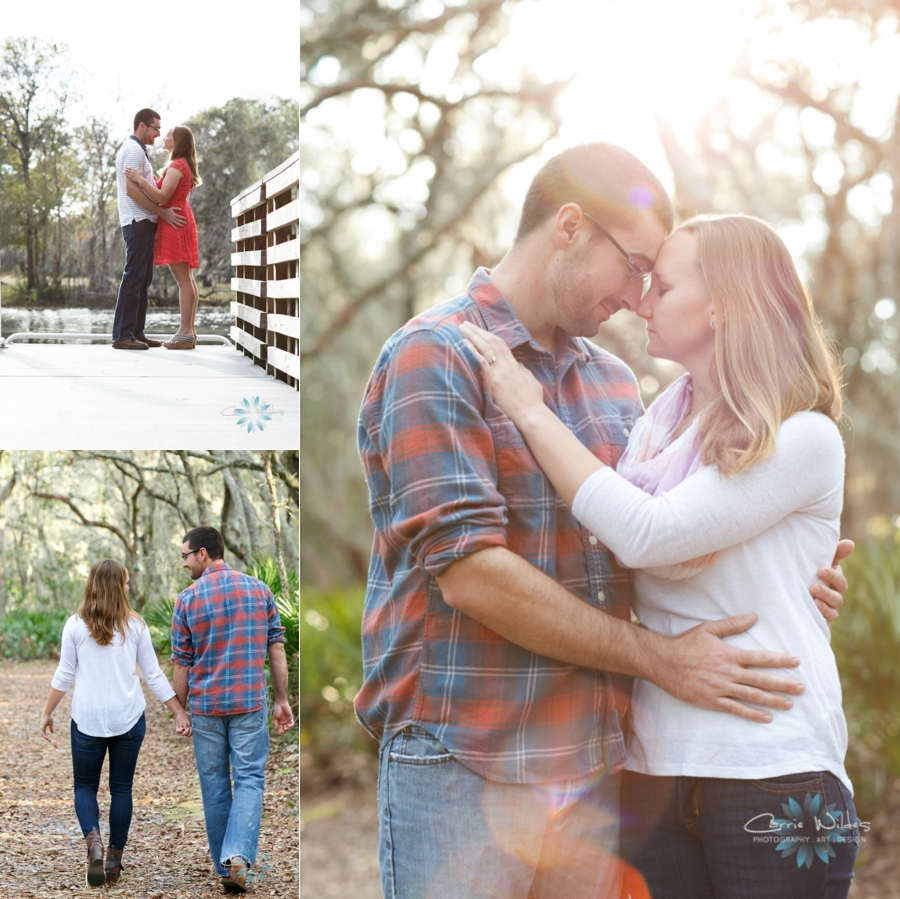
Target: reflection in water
(99,321)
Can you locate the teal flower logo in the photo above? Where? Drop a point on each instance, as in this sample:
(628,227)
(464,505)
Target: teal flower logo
(809,831)
(253,414)
(261,867)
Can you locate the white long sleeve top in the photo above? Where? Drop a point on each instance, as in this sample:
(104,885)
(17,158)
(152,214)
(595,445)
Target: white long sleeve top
(774,524)
(108,699)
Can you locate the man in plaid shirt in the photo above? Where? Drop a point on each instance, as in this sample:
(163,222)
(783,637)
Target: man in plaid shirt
(222,627)
(493,620)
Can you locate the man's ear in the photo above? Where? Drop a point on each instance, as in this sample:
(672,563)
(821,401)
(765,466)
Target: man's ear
(569,219)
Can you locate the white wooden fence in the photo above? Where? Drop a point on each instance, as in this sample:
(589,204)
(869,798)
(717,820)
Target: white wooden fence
(266,281)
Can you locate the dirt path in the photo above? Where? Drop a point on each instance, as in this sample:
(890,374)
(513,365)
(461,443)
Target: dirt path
(42,854)
(339,845)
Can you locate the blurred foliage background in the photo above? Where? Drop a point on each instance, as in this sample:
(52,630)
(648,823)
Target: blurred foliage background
(422,124)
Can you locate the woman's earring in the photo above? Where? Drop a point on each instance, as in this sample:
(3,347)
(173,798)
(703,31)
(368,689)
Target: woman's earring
(712,323)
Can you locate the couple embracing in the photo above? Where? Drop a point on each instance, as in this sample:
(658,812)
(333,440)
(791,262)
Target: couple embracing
(223,626)
(538,739)
(154,231)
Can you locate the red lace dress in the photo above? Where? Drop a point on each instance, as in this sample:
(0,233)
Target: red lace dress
(178,245)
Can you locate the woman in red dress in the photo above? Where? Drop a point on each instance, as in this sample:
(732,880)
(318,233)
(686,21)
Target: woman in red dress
(177,247)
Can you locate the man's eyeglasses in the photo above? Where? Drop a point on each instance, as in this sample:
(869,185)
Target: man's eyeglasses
(185,555)
(637,273)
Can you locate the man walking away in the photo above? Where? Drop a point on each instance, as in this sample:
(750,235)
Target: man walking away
(222,627)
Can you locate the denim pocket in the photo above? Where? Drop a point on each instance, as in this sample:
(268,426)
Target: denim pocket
(811,781)
(251,722)
(86,741)
(139,730)
(415,746)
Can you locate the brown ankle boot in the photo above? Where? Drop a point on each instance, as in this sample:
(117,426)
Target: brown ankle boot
(95,875)
(235,881)
(113,864)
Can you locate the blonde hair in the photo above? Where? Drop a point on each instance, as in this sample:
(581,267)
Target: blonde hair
(105,607)
(183,148)
(772,357)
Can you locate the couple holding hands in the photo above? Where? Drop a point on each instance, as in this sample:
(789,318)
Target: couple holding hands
(223,627)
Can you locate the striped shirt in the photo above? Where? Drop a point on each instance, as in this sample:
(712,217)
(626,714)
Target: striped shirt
(132,153)
(449,475)
(222,626)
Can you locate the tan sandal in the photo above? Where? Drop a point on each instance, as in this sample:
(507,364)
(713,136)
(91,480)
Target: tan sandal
(181,342)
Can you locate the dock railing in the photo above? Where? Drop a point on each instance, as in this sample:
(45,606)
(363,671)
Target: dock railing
(266,281)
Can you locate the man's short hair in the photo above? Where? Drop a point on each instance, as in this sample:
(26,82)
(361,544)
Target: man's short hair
(606,181)
(206,538)
(145,116)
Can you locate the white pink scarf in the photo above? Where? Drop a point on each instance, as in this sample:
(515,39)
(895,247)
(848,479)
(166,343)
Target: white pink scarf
(656,463)
(652,460)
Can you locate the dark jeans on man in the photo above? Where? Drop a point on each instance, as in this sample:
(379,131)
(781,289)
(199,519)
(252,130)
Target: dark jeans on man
(788,837)
(131,303)
(87,761)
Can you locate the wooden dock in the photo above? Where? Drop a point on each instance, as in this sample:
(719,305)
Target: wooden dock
(95,397)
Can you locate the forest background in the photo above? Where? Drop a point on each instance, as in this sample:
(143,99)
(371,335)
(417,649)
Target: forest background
(421,126)
(59,224)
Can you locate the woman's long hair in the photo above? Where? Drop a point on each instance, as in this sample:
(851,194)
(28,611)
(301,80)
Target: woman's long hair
(183,148)
(772,356)
(105,607)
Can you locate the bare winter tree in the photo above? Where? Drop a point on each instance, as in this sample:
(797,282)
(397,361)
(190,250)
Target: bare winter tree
(144,501)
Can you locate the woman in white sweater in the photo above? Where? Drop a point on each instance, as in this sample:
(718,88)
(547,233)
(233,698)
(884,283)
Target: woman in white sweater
(728,494)
(101,643)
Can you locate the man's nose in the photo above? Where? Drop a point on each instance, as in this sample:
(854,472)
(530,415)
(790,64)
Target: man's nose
(630,295)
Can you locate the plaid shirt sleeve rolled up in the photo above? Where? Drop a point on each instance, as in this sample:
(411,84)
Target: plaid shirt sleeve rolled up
(449,475)
(222,626)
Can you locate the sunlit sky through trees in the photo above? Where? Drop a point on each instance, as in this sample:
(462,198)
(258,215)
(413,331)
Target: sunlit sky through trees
(632,60)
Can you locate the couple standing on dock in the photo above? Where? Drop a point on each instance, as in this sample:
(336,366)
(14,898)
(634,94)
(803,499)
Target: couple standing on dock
(154,232)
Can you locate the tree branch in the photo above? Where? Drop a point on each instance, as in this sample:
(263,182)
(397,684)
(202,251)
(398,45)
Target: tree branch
(87,522)
(346,314)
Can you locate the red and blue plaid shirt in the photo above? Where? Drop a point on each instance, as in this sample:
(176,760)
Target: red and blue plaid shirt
(222,626)
(449,474)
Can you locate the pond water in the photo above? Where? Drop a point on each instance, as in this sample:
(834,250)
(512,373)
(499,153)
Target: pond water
(213,320)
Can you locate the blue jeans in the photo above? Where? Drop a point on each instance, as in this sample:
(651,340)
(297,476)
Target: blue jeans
(712,838)
(447,832)
(87,760)
(226,747)
(131,303)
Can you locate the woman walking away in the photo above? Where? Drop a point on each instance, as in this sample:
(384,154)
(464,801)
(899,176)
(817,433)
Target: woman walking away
(177,247)
(101,643)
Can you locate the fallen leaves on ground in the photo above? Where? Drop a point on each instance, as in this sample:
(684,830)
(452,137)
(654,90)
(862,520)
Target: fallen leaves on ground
(42,852)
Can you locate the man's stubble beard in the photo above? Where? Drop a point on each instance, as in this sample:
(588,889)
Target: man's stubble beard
(574,305)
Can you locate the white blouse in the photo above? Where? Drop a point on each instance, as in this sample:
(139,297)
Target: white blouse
(108,699)
(774,524)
